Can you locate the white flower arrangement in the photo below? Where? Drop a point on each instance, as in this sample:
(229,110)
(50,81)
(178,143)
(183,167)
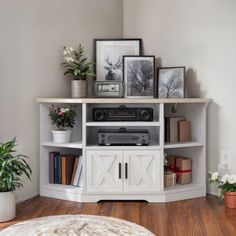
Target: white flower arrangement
(75,63)
(226,182)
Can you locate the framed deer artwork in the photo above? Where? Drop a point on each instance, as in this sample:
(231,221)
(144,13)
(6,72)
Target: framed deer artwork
(109,57)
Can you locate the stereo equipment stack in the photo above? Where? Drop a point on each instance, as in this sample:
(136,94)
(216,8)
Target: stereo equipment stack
(123,136)
(123,113)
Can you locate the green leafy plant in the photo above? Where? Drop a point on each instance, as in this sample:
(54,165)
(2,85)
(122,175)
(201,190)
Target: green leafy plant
(63,118)
(12,167)
(75,63)
(226,183)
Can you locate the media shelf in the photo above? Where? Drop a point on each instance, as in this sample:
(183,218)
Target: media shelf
(125,172)
(122,124)
(152,145)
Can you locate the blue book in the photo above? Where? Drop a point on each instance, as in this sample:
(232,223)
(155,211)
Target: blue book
(59,174)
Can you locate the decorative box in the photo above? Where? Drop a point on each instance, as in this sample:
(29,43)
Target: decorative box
(184,131)
(182,166)
(169,179)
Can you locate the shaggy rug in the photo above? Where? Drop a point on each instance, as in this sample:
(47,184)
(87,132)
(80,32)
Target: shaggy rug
(76,225)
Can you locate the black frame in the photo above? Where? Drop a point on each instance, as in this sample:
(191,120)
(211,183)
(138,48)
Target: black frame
(173,67)
(154,75)
(115,39)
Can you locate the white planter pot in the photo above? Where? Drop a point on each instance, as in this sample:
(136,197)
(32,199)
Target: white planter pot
(61,136)
(78,89)
(7,206)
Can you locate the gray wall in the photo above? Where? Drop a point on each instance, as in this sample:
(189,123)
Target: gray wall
(32,34)
(200,35)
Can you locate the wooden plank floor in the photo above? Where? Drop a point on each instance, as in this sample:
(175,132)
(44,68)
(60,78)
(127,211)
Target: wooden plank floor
(201,216)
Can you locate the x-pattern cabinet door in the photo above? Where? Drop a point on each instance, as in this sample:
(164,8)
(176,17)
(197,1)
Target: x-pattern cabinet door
(104,171)
(142,171)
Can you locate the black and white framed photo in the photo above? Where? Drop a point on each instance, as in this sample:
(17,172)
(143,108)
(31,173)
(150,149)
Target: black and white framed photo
(139,76)
(109,57)
(171,82)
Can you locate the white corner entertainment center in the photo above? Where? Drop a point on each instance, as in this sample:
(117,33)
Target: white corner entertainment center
(125,172)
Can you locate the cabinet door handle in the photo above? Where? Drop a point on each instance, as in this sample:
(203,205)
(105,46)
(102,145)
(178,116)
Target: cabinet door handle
(126,170)
(119,170)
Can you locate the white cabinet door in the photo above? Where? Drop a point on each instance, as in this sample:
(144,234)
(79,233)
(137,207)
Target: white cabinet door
(103,171)
(142,171)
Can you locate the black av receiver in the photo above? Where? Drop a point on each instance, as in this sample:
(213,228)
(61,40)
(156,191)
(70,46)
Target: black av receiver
(123,113)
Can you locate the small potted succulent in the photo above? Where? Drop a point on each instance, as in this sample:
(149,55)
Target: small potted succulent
(227,187)
(63,118)
(78,69)
(12,167)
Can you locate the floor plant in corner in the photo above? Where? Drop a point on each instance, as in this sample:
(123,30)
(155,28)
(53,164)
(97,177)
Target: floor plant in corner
(227,187)
(12,167)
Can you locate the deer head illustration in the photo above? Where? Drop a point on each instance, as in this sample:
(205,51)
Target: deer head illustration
(113,72)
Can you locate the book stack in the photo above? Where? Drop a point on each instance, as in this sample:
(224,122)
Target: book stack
(177,129)
(65,169)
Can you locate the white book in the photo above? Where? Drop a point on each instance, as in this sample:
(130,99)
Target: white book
(80,183)
(78,172)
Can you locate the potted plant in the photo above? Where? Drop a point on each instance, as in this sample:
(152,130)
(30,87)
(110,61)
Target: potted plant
(12,167)
(64,120)
(78,69)
(227,187)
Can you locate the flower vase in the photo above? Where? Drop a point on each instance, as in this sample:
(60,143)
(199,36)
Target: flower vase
(78,88)
(230,199)
(61,136)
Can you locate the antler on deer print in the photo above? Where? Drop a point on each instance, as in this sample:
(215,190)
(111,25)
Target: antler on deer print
(107,60)
(118,63)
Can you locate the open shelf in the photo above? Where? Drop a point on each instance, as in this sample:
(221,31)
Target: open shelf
(124,123)
(155,107)
(183,145)
(65,145)
(92,134)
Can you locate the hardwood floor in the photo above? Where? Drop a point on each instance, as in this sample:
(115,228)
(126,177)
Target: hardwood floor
(201,216)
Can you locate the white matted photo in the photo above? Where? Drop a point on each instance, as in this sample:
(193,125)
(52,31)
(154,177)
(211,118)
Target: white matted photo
(171,82)
(109,57)
(139,76)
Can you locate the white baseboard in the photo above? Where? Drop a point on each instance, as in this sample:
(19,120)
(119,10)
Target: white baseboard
(215,193)
(19,200)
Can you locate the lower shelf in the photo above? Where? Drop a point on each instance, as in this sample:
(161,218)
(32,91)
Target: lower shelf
(182,188)
(62,188)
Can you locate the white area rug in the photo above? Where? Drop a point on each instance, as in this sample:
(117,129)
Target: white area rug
(73,225)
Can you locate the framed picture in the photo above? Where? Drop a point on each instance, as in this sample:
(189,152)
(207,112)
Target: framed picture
(171,82)
(139,76)
(109,57)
